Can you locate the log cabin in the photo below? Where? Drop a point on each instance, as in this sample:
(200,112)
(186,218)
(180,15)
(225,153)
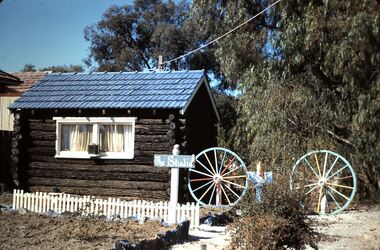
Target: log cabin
(97,133)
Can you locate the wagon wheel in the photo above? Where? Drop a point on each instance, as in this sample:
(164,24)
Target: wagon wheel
(219,178)
(327,179)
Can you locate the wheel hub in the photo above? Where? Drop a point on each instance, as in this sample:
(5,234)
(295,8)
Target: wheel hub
(322,182)
(218,178)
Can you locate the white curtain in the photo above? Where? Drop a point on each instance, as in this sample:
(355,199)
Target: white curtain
(115,138)
(75,138)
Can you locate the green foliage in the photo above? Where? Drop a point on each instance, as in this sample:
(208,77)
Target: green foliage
(226,105)
(278,222)
(29,68)
(132,37)
(308,72)
(64,68)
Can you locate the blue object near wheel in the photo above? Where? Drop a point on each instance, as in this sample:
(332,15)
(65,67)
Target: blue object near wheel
(327,179)
(219,178)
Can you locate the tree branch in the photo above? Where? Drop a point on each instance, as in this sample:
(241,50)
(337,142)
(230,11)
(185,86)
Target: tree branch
(339,138)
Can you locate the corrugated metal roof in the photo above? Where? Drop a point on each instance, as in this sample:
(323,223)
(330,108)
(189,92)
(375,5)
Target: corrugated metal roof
(131,90)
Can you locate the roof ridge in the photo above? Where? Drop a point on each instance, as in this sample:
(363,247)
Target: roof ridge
(127,72)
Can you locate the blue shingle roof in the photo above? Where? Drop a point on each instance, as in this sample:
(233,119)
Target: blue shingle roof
(148,90)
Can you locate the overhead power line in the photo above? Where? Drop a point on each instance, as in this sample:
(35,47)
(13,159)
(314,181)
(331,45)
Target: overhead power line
(220,37)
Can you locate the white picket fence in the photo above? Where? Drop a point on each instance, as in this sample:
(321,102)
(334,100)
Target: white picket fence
(87,205)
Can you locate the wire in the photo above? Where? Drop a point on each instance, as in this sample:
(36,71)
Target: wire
(220,37)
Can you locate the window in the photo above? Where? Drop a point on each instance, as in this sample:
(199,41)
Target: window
(113,135)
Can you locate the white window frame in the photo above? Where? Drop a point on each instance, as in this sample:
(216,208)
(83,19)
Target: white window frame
(95,121)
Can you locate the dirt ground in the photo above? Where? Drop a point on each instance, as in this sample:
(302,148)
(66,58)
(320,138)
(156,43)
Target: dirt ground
(70,231)
(351,230)
(355,229)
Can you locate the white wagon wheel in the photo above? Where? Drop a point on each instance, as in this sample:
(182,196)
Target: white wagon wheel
(327,179)
(219,178)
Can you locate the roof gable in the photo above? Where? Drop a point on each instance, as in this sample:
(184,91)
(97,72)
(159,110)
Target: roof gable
(117,90)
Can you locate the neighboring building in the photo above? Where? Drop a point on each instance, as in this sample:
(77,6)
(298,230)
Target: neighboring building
(11,87)
(7,97)
(128,117)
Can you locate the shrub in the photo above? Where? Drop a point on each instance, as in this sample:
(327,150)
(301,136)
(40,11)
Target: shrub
(278,222)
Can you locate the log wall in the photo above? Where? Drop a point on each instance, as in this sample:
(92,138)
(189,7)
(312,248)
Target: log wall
(135,178)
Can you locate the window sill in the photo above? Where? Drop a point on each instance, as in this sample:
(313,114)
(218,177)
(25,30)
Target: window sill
(87,156)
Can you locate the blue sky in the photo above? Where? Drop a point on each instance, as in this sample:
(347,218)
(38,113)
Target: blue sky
(47,32)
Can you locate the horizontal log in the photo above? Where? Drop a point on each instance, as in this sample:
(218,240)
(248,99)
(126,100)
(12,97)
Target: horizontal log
(50,121)
(41,135)
(151,146)
(135,185)
(42,127)
(151,130)
(171,133)
(172,125)
(43,143)
(99,168)
(151,139)
(172,117)
(48,151)
(94,175)
(149,153)
(150,121)
(128,193)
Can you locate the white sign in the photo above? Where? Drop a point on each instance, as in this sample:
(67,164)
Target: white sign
(174,161)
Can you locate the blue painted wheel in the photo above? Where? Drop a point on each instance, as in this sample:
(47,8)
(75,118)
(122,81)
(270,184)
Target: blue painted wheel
(219,178)
(327,179)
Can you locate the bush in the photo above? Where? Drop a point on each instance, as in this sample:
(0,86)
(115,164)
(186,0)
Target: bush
(278,222)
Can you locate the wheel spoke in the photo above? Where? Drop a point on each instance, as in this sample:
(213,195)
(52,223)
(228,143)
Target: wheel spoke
(205,167)
(216,162)
(229,202)
(234,184)
(201,179)
(212,194)
(333,198)
(342,178)
(232,191)
(210,164)
(336,191)
(340,170)
(221,164)
(236,176)
(208,189)
(307,180)
(325,163)
(332,166)
(319,199)
(228,165)
(210,182)
(338,185)
(311,190)
(199,172)
(316,160)
(231,171)
(310,185)
(312,169)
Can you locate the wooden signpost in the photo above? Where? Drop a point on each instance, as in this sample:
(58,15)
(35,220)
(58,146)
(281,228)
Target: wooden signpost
(175,162)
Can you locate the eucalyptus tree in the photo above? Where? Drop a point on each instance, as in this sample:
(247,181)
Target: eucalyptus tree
(131,37)
(308,77)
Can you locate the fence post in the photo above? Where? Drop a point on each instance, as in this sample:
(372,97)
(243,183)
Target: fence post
(14,199)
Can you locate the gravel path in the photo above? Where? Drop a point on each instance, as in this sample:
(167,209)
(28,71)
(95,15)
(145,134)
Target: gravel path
(215,238)
(352,230)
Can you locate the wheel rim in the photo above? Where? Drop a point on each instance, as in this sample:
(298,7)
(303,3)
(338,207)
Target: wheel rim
(219,178)
(327,179)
